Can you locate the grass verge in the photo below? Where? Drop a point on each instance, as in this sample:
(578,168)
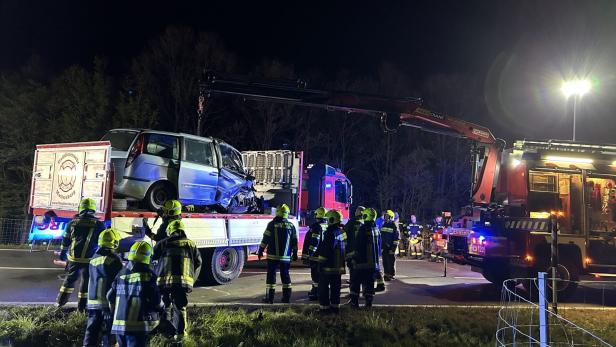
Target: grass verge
(295,326)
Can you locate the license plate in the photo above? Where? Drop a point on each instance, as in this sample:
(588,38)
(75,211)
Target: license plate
(477,249)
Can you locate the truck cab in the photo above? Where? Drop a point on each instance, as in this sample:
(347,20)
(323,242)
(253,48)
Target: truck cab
(573,181)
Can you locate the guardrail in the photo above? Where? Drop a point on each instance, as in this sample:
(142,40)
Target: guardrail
(14,231)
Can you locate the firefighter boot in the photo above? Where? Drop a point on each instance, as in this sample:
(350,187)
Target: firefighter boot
(62,299)
(369,301)
(81,304)
(354,302)
(269,296)
(286,295)
(312,295)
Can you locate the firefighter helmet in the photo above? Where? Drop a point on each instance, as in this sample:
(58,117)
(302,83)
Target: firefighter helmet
(359,211)
(175,225)
(282,211)
(390,213)
(172,208)
(320,212)
(140,252)
(109,238)
(87,204)
(333,216)
(369,215)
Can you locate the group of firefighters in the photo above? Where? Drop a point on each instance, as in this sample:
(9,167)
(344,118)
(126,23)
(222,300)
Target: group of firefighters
(128,302)
(330,248)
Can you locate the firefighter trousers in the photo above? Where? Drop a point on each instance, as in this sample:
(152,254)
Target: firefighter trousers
(99,324)
(74,271)
(132,340)
(329,290)
(389,262)
(175,301)
(314,276)
(285,277)
(364,279)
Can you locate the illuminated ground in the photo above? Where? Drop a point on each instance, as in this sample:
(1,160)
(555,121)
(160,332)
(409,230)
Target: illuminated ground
(31,277)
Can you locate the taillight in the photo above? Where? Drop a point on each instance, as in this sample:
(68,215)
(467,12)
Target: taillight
(135,150)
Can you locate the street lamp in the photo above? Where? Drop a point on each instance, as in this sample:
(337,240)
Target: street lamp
(577,89)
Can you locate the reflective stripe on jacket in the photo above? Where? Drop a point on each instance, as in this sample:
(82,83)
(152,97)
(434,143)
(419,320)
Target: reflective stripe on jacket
(331,252)
(280,240)
(81,237)
(390,235)
(135,300)
(312,239)
(367,247)
(103,269)
(351,229)
(179,261)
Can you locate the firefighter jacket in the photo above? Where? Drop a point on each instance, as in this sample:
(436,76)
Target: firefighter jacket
(331,252)
(280,240)
(81,237)
(390,236)
(134,300)
(414,229)
(351,229)
(161,233)
(367,246)
(312,239)
(103,269)
(179,262)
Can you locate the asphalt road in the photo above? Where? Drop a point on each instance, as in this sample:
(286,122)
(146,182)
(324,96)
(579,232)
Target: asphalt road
(31,277)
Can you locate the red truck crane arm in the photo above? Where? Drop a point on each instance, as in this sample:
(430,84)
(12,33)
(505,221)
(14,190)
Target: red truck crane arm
(393,112)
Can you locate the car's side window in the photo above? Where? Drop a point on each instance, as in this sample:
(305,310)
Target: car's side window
(231,159)
(199,152)
(165,146)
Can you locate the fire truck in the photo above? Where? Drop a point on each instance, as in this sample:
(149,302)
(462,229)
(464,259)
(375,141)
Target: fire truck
(63,174)
(574,182)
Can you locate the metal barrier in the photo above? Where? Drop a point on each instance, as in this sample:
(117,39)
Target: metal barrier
(14,231)
(522,321)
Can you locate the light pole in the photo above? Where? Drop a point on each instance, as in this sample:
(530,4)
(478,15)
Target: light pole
(577,89)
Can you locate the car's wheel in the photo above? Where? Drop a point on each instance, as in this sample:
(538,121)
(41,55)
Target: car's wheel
(157,195)
(221,265)
(568,275)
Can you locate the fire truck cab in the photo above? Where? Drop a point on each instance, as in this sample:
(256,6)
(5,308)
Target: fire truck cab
(572,180)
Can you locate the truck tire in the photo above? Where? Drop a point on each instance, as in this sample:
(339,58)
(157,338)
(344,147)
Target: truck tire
(221,265)
(119,204)
(158,193)
(494,277)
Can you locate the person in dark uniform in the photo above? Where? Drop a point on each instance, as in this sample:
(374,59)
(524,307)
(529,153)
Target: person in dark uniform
(331,257)
(390,237)
(312,239)
(365,259)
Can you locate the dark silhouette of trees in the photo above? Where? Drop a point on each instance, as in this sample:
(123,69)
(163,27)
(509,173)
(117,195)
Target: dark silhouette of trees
(408,171)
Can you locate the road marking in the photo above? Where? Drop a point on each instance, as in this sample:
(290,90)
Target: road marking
(265,272)
(30,268)
(468,278)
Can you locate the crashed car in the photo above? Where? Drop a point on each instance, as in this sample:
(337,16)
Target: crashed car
(152,166)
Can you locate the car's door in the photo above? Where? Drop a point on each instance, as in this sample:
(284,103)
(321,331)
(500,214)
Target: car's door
(232,176)
(198,179)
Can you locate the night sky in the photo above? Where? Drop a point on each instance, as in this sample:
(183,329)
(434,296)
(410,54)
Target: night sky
(517,51)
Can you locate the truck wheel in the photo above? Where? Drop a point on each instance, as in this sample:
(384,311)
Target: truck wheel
(569,273)
(221,265)
(119,204)
(157,195)
(494,277)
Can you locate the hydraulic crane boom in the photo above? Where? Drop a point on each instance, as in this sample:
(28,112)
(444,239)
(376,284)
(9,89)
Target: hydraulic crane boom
(393,112)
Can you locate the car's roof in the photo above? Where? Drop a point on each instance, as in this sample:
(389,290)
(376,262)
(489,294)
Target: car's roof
(169,133)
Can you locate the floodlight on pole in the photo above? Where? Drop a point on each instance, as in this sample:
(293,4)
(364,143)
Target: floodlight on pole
(577,89)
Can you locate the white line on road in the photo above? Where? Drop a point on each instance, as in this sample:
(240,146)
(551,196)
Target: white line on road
(30,268)
(469,278)
(265,272)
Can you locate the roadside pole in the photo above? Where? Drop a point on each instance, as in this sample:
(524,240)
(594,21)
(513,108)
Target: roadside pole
(543,312)
(554,229)
(444,266)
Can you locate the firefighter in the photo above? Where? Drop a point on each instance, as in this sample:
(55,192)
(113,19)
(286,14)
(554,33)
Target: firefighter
(350,229)
(414,231)
(331,257)
(171,210)
(179,263)
(403,247)
(134,298)
(280,240)
(390,237)
(78,246)
(104,267)
(365,259)
(436,226)
(312,239)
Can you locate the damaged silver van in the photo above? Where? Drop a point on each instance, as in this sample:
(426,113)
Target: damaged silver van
(152,166)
